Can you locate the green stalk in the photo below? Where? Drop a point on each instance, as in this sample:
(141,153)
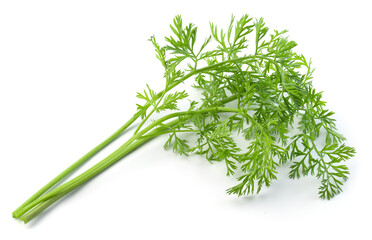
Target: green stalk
(76,165)
(39,209)
(127,147)
(111,159)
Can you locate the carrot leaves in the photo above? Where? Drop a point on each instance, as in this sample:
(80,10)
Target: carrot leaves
(252,84)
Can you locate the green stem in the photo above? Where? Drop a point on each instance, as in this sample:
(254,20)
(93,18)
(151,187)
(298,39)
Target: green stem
(91,153)
(76,165)
(62,191)
(115,156)
(40,208)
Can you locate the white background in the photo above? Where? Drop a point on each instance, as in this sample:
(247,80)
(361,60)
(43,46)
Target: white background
(69,72)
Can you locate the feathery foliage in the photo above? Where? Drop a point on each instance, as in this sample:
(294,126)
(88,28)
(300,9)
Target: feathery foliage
(252,84)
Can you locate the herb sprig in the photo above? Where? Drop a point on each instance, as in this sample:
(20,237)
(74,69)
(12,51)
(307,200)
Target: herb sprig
(266,96)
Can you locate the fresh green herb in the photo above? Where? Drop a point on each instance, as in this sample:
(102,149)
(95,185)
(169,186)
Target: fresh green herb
(259,89)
